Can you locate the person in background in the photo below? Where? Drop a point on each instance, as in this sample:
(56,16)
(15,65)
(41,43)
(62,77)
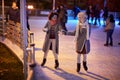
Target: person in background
(119,21)
(63,17)
(52,28)
(119,24)
(76,10)
(58,9)
(13,13)
(97,15)
(27,15)
(92,13)
(82,35)
(105,14)
(88,13)
(109,29)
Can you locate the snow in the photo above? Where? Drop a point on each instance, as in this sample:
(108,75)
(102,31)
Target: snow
(103,62)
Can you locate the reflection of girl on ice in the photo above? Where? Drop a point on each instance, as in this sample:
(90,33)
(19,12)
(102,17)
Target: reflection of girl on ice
(82,35)
(51,40)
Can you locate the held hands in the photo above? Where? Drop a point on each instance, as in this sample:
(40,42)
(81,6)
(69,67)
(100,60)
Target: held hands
(59,32)
(75,39)
(45,29)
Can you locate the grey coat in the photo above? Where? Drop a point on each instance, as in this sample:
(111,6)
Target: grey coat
(82,39)
(57,29)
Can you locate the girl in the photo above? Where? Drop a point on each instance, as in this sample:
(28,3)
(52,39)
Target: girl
(82,35)
(52,29)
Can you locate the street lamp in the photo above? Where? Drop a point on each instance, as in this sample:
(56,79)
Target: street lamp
(30,7)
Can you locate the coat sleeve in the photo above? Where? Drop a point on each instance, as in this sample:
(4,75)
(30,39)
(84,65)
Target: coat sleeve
(60,30)
(88,32)
(76,31)
(45,29)
(59,27)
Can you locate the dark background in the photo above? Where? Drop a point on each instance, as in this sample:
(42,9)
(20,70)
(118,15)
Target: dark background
(113,5)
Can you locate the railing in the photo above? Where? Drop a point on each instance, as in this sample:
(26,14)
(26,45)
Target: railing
(1,29)
(13,32)
(31,50)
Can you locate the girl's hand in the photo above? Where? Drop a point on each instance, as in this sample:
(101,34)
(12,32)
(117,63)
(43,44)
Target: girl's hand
(59,32)
(45,29)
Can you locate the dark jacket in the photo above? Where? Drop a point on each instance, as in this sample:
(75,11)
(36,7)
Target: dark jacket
(13,14)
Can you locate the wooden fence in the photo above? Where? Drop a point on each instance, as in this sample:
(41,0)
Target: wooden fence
(1,28)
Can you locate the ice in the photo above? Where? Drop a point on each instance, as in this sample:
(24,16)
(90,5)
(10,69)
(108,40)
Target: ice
(103,62)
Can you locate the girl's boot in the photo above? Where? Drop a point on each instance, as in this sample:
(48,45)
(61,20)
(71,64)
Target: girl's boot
(43,63)
(111,43)
(56,64)
(85,65)
(78,67)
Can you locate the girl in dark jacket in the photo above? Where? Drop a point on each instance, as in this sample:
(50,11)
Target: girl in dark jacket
(13,13)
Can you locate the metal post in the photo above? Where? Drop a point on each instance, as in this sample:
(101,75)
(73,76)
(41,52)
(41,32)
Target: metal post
(105,2)
(33,63)
(33,53)
(53,4)
(3,16)
(23,22)
(31,37)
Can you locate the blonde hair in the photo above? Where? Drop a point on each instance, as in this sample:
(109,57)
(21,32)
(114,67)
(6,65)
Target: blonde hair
(82,14)
(84,18)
